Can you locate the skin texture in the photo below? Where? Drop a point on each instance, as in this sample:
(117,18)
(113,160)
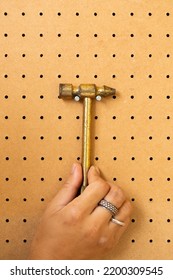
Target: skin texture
(75,227)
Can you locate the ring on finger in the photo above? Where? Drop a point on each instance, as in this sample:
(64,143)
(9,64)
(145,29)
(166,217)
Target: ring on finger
(117,222)
(109,206)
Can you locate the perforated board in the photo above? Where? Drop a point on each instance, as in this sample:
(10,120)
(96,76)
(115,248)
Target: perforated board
(123,44)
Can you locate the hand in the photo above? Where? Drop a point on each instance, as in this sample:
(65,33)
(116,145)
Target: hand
(76,227)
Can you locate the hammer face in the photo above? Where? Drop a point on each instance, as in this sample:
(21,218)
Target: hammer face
(65,91)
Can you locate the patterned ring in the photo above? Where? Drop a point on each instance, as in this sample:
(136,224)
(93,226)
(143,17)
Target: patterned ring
(109,206)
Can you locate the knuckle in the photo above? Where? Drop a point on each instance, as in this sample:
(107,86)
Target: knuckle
(67,184)
(119,193)
(117,196)
(74,215)
(102,185)
(105,242)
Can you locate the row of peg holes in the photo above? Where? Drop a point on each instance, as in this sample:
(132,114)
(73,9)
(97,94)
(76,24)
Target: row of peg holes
(94,55)
(78,137)
(24,199)
(151,240)
(96,158)
(94,14)
(95,35)
(61,179)
(95,76)
(114,179)
(24,240)
(114,97)
(114,117)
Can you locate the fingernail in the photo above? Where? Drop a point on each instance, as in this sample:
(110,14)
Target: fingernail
(73,168)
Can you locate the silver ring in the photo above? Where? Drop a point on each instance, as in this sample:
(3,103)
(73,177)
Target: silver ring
(117,222)
(109,206)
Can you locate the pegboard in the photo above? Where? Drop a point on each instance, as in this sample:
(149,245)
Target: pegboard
(126,45)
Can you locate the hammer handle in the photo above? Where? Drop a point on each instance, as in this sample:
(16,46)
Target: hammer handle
(86,140)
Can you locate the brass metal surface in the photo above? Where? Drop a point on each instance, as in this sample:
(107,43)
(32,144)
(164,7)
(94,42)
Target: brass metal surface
(84,90)
(86,159)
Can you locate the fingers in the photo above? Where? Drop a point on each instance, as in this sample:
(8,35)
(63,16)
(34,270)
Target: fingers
(94,192)
(69,189)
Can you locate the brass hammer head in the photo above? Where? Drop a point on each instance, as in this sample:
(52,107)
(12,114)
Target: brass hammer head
(84,90)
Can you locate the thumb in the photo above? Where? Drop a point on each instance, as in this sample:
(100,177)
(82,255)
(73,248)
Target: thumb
(69,189)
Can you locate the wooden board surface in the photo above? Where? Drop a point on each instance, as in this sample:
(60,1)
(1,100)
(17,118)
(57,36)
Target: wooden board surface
(122,44)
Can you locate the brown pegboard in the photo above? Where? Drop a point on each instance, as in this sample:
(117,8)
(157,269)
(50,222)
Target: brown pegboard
(123,44)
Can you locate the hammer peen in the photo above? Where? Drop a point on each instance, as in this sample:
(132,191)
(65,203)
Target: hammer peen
(85,92)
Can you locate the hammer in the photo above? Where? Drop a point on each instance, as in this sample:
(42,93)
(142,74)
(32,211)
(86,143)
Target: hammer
(85,92)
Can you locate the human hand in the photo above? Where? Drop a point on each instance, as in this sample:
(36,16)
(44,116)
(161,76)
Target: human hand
(76,227)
